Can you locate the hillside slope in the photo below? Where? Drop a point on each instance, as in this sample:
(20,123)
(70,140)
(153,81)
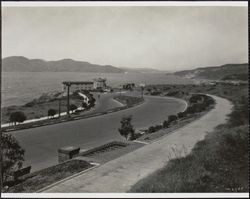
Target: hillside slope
(224,72)
(23,64)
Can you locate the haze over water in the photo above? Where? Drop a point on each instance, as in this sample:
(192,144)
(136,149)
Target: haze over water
(20,88)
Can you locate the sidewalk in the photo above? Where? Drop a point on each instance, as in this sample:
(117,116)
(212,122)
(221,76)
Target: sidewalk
(120,174)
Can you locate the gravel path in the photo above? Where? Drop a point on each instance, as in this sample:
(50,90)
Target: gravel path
(120,174)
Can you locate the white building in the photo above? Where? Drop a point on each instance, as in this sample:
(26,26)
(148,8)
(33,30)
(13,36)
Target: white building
(97,84)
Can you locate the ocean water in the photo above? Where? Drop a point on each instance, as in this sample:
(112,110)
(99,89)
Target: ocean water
(19,88)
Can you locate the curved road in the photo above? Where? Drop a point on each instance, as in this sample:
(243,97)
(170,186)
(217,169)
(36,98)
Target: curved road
(121,174)
(41,144)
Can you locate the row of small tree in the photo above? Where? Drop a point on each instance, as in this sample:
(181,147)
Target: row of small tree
(17,117)
(20,117)
(165,124)
(198,103)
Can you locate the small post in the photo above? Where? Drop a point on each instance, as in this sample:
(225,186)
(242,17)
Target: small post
(142,89)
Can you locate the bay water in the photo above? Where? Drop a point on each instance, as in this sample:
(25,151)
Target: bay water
(19,88)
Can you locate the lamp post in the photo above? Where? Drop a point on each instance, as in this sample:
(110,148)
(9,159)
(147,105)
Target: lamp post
(59,108)
(120,89)
(68,84)
(142,89)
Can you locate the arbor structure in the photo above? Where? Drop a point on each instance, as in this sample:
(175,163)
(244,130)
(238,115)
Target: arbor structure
(127,129)
(12,156)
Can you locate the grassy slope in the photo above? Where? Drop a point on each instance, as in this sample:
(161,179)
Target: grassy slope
(217,164)
(38,110)
(218,72)
(40,179)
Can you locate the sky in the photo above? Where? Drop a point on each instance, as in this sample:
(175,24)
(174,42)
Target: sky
(159,37)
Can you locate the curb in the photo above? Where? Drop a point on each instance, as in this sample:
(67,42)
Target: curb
(68,178)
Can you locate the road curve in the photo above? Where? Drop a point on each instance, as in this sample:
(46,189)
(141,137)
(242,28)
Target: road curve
(120,174)
(41,144)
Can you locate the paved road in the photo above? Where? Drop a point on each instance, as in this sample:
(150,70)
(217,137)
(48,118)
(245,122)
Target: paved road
(105,102)
(120,174)
(41,143)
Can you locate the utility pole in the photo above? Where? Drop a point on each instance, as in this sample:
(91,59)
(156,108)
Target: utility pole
(59,109)
(68,85)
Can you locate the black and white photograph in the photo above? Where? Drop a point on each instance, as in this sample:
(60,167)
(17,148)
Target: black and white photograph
(124,99)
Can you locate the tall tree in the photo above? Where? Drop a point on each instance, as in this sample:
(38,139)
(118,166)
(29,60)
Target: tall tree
(12,156)
(51,112)
(127,129)
(17,116)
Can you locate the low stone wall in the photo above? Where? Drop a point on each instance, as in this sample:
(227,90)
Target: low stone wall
(67,153)
(70,152)
(102,147)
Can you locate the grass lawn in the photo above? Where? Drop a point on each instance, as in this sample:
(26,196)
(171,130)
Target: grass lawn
(39,107)
(40,179)
(129,100)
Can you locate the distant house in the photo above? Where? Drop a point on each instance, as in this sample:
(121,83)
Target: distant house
(96,84)
(128,86)
(99,83)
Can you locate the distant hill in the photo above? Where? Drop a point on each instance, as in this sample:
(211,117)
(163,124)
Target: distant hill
(23,64)
(224,72)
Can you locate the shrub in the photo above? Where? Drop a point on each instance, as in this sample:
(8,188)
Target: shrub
(172,118)
(51,112)
(17,116)
(84,105)
(208,101)
(151,129)
(166,124)
(12,155)
(127,128)
(195,98)
(155,128)
(30,104)
(190,110)
(155,93)
(173,93)
(92,101)
(198,107)
(180,114)
(72,107)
